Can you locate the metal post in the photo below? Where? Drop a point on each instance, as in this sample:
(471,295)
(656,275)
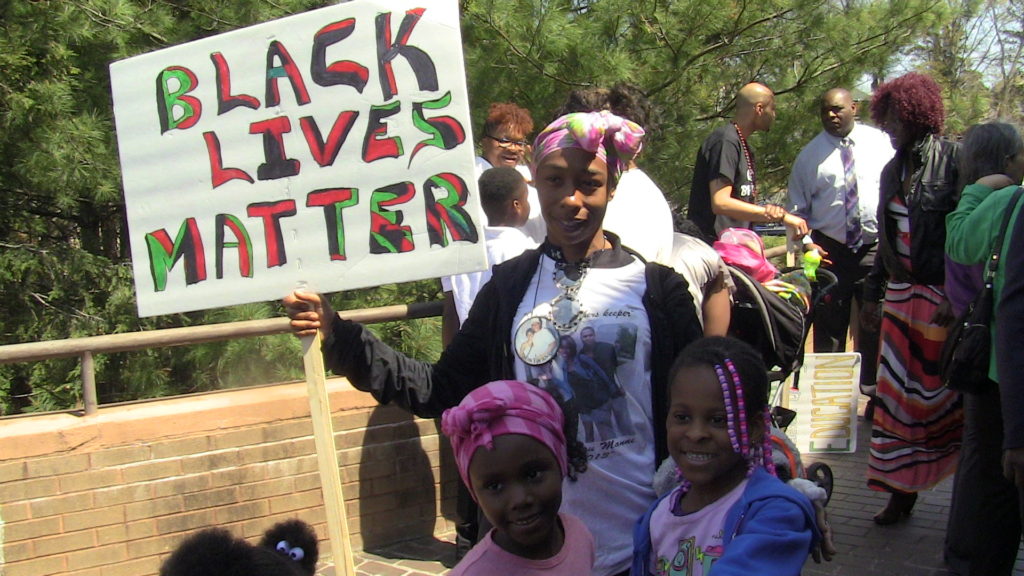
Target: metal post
(89,385)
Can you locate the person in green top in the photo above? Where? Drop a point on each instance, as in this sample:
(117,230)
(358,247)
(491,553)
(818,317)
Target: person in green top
(984,527)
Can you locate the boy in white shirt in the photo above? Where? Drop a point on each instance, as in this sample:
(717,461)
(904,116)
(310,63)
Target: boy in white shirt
(503,195)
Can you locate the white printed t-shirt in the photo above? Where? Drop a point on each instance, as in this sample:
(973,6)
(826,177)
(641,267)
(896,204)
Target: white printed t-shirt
(641,217)
(617,428)
(689,543)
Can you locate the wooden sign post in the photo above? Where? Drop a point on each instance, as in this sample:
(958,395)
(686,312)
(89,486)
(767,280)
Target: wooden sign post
(327,455)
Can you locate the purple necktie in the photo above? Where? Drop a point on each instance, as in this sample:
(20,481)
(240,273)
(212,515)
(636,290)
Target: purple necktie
(854,235)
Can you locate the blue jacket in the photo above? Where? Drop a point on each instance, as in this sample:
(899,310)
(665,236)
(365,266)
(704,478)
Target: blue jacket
(771,529)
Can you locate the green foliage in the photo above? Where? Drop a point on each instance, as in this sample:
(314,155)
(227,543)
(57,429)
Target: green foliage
(950,53)
(420,339)
(64,269)
(689,57)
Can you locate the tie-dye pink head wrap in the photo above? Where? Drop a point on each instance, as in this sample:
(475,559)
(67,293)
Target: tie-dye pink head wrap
(499,408)
(615,140)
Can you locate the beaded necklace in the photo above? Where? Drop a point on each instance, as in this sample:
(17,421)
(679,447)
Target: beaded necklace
(566,310)
(751,173)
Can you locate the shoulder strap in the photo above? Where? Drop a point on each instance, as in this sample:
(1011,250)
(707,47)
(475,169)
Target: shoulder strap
(997,248)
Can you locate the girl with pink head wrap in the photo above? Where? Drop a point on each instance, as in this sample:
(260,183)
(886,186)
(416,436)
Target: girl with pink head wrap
(577,161)
(509,444)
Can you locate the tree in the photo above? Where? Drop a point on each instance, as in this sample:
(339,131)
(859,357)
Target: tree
(64,263)
(1006,20)
(955,54)
(689,57)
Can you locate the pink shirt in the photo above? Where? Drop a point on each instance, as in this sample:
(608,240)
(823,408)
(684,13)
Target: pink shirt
(575,558)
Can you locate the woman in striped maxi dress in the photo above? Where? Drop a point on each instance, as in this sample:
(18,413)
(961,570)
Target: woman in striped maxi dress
(917,425)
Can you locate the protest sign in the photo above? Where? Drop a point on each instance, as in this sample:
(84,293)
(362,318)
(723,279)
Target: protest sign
(331,148)
(826,404)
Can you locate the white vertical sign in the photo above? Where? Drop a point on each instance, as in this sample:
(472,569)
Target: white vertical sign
(826,404)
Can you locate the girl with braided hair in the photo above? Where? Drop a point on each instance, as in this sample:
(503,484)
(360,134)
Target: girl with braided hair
(729,511)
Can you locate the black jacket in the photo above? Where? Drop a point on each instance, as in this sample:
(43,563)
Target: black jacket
(482,352)
(1009,328)
(933,194)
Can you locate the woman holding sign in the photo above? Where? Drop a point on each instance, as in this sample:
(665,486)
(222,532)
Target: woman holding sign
(579,277)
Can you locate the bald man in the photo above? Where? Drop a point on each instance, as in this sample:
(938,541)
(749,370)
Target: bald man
(724,192)
(820,192)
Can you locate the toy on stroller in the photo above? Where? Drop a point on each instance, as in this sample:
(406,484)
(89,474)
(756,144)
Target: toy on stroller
(777,328)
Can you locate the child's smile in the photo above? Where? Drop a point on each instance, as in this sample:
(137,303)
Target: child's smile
(698,437)
(519,488)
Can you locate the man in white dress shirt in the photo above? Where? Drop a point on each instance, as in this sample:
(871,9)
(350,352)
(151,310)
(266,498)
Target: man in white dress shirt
(834,187)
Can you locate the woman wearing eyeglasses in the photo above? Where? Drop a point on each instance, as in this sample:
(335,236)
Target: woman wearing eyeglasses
(504,143)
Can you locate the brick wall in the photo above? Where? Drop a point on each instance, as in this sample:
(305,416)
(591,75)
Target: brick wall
(111,495)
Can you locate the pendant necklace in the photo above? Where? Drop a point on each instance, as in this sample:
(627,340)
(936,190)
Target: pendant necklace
(537,336)
(566,311)
(751,173)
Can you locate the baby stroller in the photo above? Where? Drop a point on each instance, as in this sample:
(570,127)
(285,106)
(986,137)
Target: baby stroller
(776,326)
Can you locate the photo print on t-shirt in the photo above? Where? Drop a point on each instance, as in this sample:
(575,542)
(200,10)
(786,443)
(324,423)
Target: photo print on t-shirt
(587,370)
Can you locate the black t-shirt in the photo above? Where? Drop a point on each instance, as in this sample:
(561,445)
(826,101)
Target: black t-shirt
(721,155)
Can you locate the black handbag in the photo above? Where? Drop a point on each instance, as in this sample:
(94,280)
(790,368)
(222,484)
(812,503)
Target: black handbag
(964,362)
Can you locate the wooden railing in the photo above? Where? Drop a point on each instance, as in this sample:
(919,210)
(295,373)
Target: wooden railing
(85,348)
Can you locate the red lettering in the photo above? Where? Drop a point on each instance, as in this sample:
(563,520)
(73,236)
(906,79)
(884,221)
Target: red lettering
(421,64)
(448,213)
(242,243)
(287,69)
(271,214)
(225,100)
(333,201)
(344,72)
(176,110)
(276,165)
(218,173)
(326,152)
(387,234)
(377,144)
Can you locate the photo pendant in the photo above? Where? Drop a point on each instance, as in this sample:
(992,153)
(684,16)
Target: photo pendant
(566,313)
(536,340)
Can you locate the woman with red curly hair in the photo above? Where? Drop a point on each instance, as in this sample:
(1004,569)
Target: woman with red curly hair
(505,131)
(917,424)
(504,143)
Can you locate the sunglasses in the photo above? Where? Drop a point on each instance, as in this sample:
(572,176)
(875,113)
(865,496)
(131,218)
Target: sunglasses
(506,143)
